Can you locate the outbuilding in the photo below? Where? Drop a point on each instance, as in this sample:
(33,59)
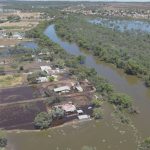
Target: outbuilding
(62,89)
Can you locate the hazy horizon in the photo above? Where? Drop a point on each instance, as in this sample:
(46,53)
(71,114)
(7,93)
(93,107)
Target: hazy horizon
(91,0)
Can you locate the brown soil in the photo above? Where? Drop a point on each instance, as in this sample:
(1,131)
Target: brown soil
(20,116)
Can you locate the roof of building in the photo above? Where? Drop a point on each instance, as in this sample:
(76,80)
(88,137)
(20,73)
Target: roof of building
(80,117)
(80,111)
(68,107)
(42,79)
(79,88)
(63,88)
(45,68)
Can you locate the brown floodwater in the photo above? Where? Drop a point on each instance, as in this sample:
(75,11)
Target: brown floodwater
(101,135)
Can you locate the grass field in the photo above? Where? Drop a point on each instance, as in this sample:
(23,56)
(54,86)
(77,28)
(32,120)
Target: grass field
(10,80)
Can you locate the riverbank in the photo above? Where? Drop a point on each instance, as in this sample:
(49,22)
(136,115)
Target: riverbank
(122,46)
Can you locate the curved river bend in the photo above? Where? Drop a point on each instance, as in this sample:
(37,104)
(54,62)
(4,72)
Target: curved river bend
(103,135)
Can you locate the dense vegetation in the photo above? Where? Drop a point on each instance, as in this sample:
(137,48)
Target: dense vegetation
(43,120)
(13,18)
(126,50)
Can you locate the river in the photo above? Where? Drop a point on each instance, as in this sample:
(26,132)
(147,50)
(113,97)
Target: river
(105,134)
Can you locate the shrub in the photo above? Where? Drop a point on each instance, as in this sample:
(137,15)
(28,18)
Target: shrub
(145,145)
(58,113)
(3,140)
(97,113)
(96,102)
(43,120)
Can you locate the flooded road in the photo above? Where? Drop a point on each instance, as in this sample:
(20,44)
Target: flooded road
(102,135)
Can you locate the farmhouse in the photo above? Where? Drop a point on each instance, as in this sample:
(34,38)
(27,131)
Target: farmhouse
(69,108)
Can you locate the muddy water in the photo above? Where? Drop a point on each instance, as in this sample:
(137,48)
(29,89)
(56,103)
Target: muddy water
(105,134)
(101,135)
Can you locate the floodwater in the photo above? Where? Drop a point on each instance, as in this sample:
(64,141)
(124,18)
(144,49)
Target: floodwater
(123,25)
(100,135)
(31,45)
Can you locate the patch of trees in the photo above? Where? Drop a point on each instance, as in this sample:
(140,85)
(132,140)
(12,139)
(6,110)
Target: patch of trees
(14,18)
(120,100)
(44,120)
(126,50)
(97,113)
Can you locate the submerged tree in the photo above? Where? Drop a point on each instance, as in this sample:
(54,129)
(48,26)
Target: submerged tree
(97,113)
(145,145)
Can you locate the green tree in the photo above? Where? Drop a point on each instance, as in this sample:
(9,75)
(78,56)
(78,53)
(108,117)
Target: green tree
(96,102)
(43,120)
(97,113)
(121,100)
(58,113)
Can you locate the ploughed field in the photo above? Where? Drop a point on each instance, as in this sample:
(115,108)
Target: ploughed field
(17,94)
(20,116)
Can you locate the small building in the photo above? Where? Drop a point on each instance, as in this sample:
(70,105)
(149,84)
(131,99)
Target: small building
(62,89)
(83,117)
(42,79)
(46,69)
(69,108)
(79,88)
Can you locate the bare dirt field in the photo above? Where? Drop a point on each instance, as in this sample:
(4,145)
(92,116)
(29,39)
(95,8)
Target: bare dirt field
(11,42)
(20,116)
(21,24)
(10,95)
